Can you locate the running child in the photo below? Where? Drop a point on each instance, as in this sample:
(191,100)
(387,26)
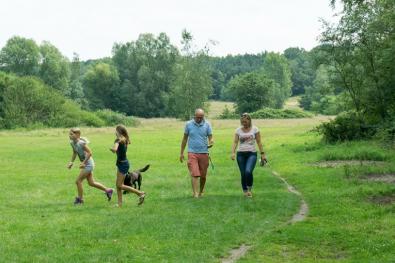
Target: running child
(80,148)
(120,148)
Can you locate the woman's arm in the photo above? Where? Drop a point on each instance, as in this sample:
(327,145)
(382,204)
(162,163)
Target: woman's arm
(259,142)
(234,146)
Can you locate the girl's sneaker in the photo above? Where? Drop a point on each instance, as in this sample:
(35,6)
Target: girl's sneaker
(141,199)
(78,201)
(109,194)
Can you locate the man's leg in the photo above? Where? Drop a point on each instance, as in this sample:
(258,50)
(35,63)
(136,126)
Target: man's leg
(193,167)
(195,185)
(203,166)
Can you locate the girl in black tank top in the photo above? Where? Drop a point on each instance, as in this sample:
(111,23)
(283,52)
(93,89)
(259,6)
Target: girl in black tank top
(121,151)
(120,147)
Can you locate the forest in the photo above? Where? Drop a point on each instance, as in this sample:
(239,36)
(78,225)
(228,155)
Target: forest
(351,74)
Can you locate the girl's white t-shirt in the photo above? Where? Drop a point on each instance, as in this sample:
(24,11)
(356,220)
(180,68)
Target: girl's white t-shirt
(247,139)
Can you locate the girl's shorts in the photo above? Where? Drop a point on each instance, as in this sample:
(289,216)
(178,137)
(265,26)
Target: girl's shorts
(123,167)
(90,165)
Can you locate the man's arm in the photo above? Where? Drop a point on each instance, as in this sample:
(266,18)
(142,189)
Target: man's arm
(210,140)
(183,144)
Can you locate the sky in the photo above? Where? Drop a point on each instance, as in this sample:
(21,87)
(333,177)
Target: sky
(91,27)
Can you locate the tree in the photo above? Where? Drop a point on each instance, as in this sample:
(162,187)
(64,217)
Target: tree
(54,68)
(360,49)
(276,68)
(225,68)
(252,91)
(76,90)
(20,56)
(302,70)
(145,69)
(101,84)
(192,82)
(323,97)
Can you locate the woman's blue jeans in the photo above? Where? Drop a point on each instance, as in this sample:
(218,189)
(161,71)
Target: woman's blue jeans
(246,162)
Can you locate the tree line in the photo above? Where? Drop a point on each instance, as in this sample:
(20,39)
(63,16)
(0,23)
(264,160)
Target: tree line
(150,77)
(351,70)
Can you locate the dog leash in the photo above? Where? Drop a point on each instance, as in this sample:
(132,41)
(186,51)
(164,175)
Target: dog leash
(211,162)
(209,157)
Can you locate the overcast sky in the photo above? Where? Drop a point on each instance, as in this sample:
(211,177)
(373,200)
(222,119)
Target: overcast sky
(91,27)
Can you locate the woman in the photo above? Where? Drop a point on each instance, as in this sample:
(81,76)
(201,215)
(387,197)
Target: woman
(245,138)
(120,148)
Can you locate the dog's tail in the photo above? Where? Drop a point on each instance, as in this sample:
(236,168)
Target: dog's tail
(144,169)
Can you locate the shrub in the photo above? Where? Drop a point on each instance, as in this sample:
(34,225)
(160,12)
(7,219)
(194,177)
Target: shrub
(346,126)
(72,116)
(269,113)
(28,102)
(113,118)
(228,114)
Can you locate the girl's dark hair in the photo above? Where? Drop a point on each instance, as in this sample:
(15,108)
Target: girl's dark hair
(123,134)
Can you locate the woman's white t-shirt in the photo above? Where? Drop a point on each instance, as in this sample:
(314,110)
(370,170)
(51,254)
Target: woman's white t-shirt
(247,139)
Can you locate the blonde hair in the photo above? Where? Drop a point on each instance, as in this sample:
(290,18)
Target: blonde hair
(247,117)
(78,132)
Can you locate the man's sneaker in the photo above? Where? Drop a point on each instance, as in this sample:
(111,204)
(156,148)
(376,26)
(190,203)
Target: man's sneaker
(109,194)
(78,201)
(141,199)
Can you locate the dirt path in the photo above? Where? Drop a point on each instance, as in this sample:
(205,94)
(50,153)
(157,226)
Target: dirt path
(239,252)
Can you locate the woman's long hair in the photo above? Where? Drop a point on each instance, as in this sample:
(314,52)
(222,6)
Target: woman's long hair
(123,134)
(247,117)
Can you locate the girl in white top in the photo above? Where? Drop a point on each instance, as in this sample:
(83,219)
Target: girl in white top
(80,148)
(245,137)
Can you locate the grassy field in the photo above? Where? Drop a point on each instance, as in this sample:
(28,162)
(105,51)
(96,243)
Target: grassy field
(217,107)
(292,103)
(39,223)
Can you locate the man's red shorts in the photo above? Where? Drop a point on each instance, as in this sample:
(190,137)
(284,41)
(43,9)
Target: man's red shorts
(198,164)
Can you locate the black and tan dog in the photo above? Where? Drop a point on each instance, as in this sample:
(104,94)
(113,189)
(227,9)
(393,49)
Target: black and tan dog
(134,179)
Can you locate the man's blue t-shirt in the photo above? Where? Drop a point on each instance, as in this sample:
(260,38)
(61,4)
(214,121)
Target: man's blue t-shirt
(197,136)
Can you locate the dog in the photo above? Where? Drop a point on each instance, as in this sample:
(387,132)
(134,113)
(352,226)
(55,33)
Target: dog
(134,179)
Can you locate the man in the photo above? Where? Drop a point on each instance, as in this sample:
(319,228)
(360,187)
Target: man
(199,137)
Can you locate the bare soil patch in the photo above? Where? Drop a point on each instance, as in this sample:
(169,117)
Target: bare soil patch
(383,199)
(385,178)
(340,163)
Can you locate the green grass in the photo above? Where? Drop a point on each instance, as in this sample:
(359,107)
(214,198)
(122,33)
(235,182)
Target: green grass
(217,107)
(39,223)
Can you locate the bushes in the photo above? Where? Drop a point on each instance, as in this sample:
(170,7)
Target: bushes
(72,116)
(269,113)
(346,126)
(113,118)
(28,102)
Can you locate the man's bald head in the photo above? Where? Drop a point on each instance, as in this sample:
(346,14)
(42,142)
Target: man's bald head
(199,111)
(199,115)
